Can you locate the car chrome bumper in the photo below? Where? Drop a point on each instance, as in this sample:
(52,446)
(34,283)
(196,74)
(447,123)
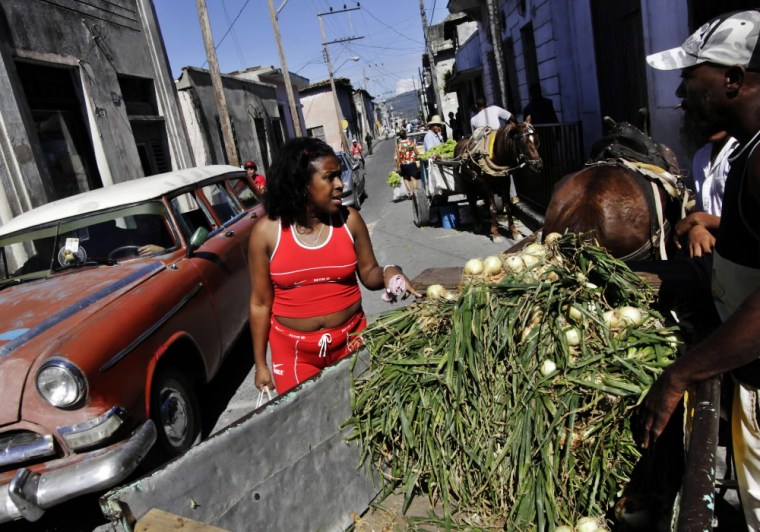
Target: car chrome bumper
(29,494)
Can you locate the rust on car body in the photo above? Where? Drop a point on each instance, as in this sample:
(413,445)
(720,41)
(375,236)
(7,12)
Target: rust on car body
(111,322)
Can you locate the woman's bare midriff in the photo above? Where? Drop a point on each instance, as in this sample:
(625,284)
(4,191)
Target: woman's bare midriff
(328,321)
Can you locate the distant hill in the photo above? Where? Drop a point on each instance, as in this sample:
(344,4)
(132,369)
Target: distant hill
(406,106)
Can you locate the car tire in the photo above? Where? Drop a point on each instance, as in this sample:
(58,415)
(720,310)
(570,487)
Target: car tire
(176,412)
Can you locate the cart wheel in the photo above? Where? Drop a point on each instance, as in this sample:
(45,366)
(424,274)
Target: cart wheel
(421,206)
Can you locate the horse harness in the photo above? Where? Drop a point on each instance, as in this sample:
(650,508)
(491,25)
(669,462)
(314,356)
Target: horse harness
(649,177)
(478,153)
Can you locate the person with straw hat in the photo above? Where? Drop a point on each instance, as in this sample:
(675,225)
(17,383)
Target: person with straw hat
(433,136)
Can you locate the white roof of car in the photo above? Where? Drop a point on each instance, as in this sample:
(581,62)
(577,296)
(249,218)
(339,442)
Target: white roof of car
(126,193)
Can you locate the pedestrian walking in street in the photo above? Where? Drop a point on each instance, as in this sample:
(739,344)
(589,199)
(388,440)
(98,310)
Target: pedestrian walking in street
(305,260)
(368,140)
(406,162)
(357,151)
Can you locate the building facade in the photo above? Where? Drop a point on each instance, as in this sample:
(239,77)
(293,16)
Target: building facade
(254,111)
(323,120)
(588,57)
(274,76)
(86,99)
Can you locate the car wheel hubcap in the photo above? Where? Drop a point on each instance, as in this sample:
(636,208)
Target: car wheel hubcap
(174,417)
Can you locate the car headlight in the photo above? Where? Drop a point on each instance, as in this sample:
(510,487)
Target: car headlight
(61,383)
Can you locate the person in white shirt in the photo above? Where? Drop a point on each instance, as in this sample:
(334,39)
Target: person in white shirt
(491,116)
(494,117)
(710,167)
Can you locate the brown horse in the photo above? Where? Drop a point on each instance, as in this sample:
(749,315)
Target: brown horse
(484,175)
(616,204)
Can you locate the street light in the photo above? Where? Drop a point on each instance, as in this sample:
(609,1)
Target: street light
(353,58)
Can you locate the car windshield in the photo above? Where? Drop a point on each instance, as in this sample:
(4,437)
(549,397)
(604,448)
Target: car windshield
(105,237)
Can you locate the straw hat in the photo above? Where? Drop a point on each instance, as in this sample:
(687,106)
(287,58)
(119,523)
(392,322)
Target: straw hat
(436,120)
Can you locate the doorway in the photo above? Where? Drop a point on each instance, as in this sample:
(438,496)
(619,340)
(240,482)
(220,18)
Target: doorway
(57,108)
(620,58)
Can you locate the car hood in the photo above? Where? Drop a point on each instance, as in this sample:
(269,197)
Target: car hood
(30,310)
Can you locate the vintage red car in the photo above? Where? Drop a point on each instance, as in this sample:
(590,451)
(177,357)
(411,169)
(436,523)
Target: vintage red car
(118,304)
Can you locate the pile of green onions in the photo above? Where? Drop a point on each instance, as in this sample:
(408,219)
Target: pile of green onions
(509,400)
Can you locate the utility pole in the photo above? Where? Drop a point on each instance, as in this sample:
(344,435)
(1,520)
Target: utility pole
(431,59)
(498,54)
(338,114)
(216,81)
(285,72)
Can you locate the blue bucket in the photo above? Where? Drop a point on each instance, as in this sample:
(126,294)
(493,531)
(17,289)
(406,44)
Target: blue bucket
(449,217)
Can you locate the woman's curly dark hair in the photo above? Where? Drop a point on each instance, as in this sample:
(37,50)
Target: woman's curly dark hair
(289,175)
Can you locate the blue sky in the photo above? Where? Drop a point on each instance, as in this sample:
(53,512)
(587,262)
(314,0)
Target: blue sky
(389,54)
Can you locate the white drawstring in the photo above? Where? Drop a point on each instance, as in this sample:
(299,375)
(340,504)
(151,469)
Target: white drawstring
(323,341)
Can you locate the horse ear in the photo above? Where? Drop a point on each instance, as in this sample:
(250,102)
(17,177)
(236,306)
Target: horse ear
(528,119)
(609,122)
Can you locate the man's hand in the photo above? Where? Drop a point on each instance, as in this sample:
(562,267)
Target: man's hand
(149,249)
(655,411)
(701,241)
(696,227)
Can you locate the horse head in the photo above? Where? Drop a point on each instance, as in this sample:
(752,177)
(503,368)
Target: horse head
(524,141)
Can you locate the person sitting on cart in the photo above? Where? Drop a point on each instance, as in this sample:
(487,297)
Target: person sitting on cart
(406,162)
(433,136)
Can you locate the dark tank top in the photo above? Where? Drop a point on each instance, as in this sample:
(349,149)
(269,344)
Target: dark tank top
(739,232)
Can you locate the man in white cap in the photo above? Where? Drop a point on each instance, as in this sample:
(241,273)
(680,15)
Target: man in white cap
(720,90)
(433,136)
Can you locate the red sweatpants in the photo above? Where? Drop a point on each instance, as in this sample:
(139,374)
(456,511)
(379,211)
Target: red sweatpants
(297,355)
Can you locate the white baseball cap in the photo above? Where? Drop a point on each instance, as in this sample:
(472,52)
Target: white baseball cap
(729,39)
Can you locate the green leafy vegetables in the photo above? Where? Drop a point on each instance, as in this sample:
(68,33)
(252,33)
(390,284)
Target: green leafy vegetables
(509,401)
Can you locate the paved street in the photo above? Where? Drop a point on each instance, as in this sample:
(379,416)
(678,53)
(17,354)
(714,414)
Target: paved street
(395,239)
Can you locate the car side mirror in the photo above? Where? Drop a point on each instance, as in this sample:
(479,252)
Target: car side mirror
(197,240)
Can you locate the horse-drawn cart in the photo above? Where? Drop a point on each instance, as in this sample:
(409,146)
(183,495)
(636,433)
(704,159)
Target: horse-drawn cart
(439,186)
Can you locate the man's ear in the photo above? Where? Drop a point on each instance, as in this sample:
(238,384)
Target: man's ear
(734,79)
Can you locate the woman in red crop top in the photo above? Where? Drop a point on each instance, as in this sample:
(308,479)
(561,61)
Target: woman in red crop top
(304,260)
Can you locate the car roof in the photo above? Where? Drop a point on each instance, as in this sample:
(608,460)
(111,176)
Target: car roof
(112,196)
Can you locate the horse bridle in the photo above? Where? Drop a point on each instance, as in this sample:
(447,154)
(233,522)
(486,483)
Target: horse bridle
(522,138)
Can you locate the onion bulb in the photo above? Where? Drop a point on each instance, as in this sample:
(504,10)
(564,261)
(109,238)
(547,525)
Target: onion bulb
(611,319)
(573,336)
(530,260)
(674,341)
(536,316)
(514,264)
(535,248)
(492,265)
(574,314)
(587,524)
(435,291)
(547,367)
(630,316)
(473,267)
(551,238)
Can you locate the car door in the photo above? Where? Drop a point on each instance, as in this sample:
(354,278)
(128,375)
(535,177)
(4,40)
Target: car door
(220,262)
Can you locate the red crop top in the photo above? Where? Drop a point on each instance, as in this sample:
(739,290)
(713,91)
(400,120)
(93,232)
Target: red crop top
(314,281)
